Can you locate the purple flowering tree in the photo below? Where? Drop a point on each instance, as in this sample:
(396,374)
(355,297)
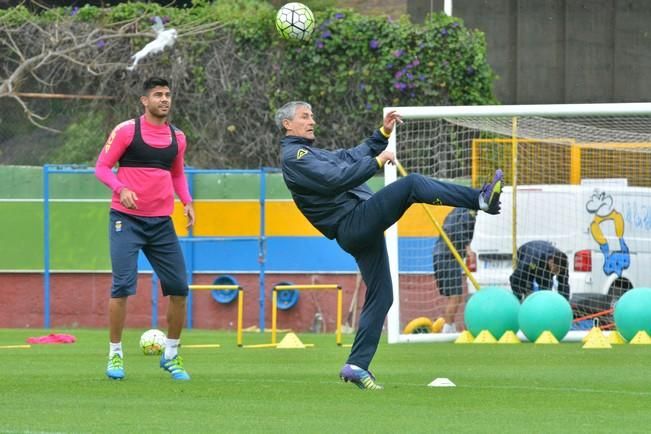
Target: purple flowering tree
(356,65)
(230,70)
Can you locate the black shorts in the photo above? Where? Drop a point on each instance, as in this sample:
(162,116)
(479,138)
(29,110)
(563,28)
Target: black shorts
(449,276)
(156,237)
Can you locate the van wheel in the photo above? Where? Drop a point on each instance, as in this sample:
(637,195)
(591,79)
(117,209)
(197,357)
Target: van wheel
(616,290)
(619,288)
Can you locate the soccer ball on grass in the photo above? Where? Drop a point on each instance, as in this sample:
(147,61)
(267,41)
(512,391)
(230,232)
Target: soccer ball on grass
(152,342)
(295,21)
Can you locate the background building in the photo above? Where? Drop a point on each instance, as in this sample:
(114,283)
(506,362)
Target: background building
(560,51)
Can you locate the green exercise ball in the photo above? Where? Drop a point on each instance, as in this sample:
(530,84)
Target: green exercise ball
(493,309)
(633,312)
(545,310)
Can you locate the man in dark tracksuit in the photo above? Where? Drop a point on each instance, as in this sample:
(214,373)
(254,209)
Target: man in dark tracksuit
(329,188)
(538,262)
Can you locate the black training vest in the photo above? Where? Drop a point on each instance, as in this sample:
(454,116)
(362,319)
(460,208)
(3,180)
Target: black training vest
(140,154)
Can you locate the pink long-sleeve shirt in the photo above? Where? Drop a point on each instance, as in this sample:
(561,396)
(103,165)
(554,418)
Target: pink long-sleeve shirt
(154,187)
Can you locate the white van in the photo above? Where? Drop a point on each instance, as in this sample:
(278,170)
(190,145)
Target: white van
(603,226)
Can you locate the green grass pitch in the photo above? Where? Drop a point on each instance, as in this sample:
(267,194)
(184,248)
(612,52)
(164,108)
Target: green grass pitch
(500,388)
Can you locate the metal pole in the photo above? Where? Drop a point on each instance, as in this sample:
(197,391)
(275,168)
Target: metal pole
(190,260)
(447,7)
(46,247)
(240,307)
(262,245)
(514,191)
(274,314)
(340,302)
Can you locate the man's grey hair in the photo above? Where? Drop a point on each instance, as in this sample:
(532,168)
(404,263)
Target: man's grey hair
(288,111)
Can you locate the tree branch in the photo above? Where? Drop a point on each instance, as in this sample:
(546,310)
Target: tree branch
(47,59)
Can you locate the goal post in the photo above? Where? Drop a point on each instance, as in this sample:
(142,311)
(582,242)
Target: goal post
(577,177)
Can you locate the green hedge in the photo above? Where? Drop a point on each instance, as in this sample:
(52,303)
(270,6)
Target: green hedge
(352,67)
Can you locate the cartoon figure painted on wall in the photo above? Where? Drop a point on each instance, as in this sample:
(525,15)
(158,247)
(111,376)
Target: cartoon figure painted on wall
(601,205)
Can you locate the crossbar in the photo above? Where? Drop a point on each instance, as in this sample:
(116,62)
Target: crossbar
(306,287)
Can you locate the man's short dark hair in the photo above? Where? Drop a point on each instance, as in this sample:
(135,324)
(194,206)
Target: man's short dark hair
(560,259)
(152,82)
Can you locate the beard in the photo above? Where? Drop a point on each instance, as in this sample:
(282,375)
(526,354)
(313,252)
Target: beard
(158,113)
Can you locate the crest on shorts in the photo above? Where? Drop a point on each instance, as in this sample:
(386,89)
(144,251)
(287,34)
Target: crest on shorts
(118,226)
(301,153)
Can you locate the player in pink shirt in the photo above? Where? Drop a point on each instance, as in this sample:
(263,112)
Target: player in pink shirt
(150,154)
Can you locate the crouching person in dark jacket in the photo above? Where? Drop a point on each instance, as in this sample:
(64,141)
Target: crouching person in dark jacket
(540,266)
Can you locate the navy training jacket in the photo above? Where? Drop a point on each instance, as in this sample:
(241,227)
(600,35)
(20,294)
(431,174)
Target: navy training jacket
(327,185)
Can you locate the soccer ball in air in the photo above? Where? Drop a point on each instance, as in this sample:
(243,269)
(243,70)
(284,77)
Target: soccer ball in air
(295,21)
(152,342)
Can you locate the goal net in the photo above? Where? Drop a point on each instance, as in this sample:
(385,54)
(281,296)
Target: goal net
(576,210)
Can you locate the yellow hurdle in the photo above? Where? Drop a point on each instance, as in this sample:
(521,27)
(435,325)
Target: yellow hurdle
(274,306)
(240,302)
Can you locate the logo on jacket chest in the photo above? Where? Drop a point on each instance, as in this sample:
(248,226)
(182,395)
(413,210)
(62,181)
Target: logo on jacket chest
(301,153)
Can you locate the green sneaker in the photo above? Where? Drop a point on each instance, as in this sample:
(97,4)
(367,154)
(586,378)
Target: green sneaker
(175,367)
(360,377)
(115,368)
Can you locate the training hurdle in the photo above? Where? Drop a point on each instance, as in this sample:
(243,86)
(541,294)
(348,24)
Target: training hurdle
(274,311)
(240,303)
(326,287)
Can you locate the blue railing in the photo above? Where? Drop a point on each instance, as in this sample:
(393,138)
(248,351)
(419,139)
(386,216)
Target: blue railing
(190,239)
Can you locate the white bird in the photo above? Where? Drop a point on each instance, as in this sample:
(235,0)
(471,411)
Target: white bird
(164,38)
